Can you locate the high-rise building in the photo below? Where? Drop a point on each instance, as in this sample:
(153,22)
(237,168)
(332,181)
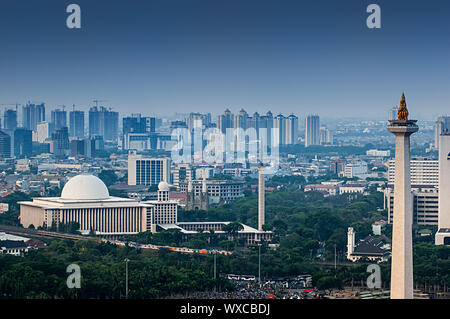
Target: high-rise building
(32,115)
(326,136)
(76,122)
(59,118)
(443,234)
(147,171)
(442,126)
(225,121)
(77,147)
(10,120)
(5,145)
(138,124)
(103,122)
(291,129)
(23,143)
(60,142)
(44,131)
(312,130)
(279,123)
(392,114)
(240,120)
(402,254)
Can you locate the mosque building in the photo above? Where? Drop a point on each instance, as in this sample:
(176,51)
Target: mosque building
(85,200)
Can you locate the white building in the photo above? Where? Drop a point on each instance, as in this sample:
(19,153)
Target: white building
(378,153)
(85,200)
(351,188)
(165,211)
(146,170)
(423,172)
(43,132)
(356,169)
(181,173)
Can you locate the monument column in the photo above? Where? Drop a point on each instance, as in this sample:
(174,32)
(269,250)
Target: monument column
(402,253)
(261,190)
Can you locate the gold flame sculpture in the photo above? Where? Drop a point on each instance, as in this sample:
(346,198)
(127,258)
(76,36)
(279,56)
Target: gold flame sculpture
(402,110)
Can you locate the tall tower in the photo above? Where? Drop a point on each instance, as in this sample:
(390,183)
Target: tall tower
(261,190)
(350,242)
(402,257)
(443,234)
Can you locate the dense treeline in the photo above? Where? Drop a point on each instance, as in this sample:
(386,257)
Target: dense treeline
(42,274)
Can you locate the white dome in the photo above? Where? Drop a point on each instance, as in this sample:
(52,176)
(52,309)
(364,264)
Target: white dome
(163,186)
(85,187)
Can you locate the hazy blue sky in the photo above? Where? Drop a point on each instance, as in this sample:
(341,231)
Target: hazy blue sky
(166,56)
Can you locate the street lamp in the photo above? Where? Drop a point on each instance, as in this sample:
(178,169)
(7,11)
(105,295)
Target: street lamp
(126,277)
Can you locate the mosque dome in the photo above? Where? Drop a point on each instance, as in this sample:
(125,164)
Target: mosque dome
(163,186)
(85,187)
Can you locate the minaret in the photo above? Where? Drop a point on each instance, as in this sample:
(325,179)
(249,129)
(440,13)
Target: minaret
(261,190)
(350,242)
(402,254)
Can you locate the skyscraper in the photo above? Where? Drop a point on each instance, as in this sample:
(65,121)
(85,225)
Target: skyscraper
(76,122)
(138,124)
(60,142)
(103,122)
(32,115)
(402,254)
(441,126)
(59,118)
(44,131)
(279,122)
(225,121)
(312,130)
(291,129)
(5,145)
(10,120)
(23,143)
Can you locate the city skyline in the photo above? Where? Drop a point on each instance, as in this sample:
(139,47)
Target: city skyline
(149,58)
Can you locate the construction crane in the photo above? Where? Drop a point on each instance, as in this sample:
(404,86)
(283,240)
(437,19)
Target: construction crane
(96,102)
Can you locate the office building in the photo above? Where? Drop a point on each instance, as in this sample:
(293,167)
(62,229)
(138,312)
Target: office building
(5,145)
(356,169)
(44,131)
(181,173)
(312,130)
(202,194)
(425,201)
(147,171)
(76,124)
(422,172)
(23,146)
